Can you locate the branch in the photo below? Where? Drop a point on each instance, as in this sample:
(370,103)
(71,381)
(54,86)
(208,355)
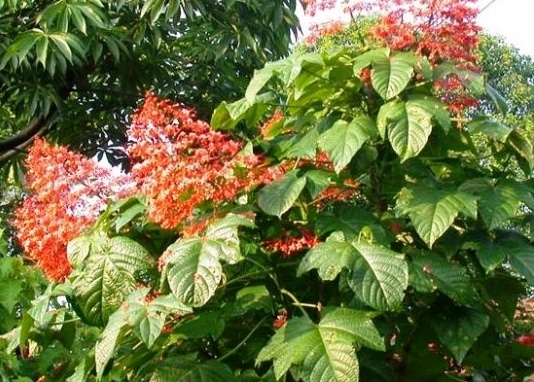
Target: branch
(12,142)
(9,152)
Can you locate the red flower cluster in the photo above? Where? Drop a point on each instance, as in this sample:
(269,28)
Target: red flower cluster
(179,162)
(289,244)
(68,192)
(526,340)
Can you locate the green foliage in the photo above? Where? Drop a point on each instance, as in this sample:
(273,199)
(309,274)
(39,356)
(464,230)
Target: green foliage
(414,275)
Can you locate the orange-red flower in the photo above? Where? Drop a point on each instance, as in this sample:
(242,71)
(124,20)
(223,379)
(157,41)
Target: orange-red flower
(67,193)
(179,162)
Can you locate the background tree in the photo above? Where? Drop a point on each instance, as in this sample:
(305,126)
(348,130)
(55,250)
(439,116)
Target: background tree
(73,69)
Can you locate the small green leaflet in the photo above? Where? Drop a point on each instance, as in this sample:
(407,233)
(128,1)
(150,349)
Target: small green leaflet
(279,196)
(492,129)
(343,139)
(408,124)
(192,265)
(324,351)
(433,211)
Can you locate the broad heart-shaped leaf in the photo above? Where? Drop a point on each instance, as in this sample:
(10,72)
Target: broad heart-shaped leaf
(192,265)
(498,202)
(324,351)
(459,329)
(520,254)
(391,74)
(379,277)
(433,211)
(409,124)
(106,275)
(279,196)
(187,368)
(430,271)
(343,140)
(145,318)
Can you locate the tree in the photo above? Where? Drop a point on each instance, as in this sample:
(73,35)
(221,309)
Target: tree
(357,234)
(72,69)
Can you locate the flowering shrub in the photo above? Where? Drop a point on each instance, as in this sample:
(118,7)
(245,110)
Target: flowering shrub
(353,235)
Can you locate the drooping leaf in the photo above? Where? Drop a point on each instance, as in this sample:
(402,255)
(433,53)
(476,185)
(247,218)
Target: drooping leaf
(279,196)
(408,124)
(391,73)
(187,368)
(107,275)
(493,129)
(459,330)
(498,100)
(343,140)
(324,351)
(523,149)
(379,277)
(433,211)
(520,254)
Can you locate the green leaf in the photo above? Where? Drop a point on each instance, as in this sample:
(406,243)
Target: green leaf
(329,258)
(520,254)
(498,100)
(318,181)
(433,211)
(366,59)
(305,146)
(107,275)
(107,342)
(433,272)
(192,265)
(492,129)
(500,202)
(458,330)
(408,124)
(324,351)
(188,369)
(343,140)
(279,196)
(490,254)
(391,74)
(379,277)
(192,270)
(523,149)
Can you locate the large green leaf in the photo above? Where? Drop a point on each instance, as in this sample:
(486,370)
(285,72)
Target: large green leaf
(379,277)
(344,139)
(391,73)
(433,211)
(458,330)
(523,149)
(106,275)
(187,368)
(498,202)
(279,196)
(409,124)
(430,272)
(324,351)
(192,265)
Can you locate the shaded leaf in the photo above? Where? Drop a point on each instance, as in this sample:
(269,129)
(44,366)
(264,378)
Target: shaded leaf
(279,196)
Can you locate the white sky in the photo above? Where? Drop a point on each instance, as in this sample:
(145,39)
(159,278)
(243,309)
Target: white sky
(512,19)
